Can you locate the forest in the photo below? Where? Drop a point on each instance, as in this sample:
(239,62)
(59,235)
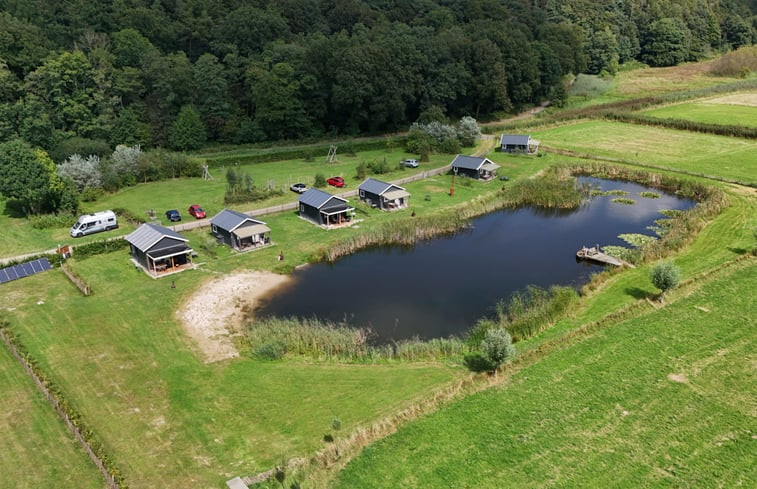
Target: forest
(81,77)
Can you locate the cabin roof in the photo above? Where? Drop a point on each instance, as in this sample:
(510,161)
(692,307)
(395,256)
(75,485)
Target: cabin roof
(317,198)
(230,220)
(473,163)
(378,187)
(146,235)
(515,139)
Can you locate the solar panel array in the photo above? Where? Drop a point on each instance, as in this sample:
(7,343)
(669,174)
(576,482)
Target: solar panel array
(24,270)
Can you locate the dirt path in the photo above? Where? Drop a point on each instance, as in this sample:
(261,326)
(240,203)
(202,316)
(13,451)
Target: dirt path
(213,314)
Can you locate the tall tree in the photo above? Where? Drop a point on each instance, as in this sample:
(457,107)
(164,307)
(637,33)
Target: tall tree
(27,175)
(187,131)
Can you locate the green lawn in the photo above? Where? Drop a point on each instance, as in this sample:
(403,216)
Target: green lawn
(169,420)
(37,450)
(701,154)
(663,400)
(19,237)
(709,113)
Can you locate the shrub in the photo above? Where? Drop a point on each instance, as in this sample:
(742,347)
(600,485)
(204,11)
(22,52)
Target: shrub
(497,347)
(665,276)
(319,181)
(49,221)
(379,167)
(360,171)
(272,350)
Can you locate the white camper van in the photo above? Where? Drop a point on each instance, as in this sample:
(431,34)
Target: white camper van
(94,223)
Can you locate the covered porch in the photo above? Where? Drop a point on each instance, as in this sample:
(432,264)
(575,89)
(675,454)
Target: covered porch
(395,200)
(168,261)
(487,171)
(250,237)
(337,216)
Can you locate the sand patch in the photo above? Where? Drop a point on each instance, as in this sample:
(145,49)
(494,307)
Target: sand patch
(212,314)
(680,378)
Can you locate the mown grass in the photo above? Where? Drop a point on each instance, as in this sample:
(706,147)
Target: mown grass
(708,112)
(19,237)
(37,450)
(700,154)
(123,361)
(665,399)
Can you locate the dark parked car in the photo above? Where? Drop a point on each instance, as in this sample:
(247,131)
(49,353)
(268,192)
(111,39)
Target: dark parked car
(173,215)
(196,211)
(336,181)
(300,188)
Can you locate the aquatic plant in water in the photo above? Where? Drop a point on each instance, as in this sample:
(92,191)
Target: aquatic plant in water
(621,200)
(636,239)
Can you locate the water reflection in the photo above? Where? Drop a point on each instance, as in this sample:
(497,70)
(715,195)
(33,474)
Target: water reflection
(441,287)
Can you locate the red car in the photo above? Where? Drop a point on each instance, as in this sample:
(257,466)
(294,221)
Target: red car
(336,181)
(196,211)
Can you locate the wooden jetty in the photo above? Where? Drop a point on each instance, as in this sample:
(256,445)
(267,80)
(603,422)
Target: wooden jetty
(595,254)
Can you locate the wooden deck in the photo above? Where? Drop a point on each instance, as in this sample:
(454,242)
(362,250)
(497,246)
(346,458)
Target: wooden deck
(595,254)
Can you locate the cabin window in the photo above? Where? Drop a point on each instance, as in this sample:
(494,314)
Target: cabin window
(215,229)
(362,193)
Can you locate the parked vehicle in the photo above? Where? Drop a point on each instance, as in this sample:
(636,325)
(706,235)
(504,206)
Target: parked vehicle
(411,163)
(196,211)
(94,223)
(300,188)
(173,215)
(336,181)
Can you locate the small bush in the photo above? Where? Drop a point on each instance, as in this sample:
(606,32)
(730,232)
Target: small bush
(272,350)
(49,221)
(361,171)
(665,276)
(379,167)
(319,181)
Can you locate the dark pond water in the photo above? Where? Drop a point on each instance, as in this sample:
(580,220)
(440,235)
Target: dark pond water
(440,288)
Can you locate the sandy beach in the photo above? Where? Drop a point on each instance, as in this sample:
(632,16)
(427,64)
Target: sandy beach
(212,315)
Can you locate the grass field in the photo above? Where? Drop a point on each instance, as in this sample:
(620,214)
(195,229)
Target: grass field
(20,237)
(168,419)
(666,399)
(37,451)
(737,110)
(701,154)
(645,82)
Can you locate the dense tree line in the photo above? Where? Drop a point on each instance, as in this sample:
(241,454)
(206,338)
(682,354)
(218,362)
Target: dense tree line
(179,73)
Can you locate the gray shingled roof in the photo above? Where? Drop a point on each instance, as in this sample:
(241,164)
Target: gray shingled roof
(468,162)
(148,234)
(516,139)
(377,186)
(317,198)
(230,220)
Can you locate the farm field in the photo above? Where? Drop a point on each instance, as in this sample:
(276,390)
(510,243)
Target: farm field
(36,448)
(700,154)
(134,375)
(666,399)
(736,110)
(644,82)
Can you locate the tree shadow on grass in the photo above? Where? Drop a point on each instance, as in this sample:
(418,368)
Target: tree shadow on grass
(738,251)
(14,208)
(638,293)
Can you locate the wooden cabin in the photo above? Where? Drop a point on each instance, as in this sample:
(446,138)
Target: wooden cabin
(518,143)
(324,209)
(476,167)
(383,195)
(158,250)
(239,230)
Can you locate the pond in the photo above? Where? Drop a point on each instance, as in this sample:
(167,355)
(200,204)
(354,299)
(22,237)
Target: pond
(441,287)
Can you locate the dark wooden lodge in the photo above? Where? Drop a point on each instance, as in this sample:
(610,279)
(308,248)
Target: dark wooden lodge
(324,209)
(239,230)
(158,250)
(385,196)
(476,167)
(518,143)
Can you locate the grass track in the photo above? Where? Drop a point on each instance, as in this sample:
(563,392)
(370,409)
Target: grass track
(719,156)
(37,450)
(666,399)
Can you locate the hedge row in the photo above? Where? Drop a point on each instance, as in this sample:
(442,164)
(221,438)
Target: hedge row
(681,124)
